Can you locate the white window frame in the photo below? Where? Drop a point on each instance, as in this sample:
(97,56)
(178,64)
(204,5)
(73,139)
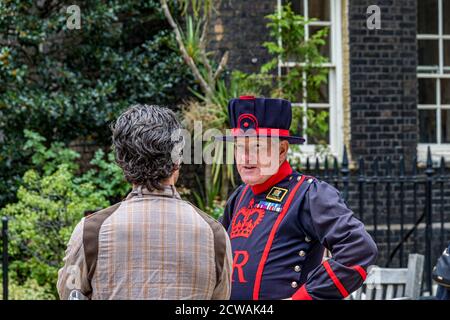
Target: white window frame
(335,83)
(438,149)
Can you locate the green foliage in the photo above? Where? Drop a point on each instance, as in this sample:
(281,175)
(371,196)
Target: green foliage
(191,38)
(48,208)
(290,28)
(106,176)
(29,290)
(48,159)
(51,201)
(209,200)
(65,84)
(196,6)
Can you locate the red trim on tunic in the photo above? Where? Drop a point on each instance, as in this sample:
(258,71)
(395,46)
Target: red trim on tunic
(361,271)
(242,196)
(301,294)
(269,242)
(335,279)
(284,171)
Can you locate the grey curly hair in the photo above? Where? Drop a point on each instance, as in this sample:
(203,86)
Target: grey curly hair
(143,141)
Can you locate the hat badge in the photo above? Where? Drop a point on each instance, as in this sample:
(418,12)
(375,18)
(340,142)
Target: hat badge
(247,121)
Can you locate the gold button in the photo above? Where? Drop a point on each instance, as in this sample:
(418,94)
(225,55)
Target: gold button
(298,178)
(307,239)
(302,253)
(294,284)
(297,268)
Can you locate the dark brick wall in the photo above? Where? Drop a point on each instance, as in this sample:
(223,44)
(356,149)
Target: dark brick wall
(383,80)
(240,27)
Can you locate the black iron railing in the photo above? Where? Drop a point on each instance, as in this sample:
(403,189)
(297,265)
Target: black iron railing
(405,211)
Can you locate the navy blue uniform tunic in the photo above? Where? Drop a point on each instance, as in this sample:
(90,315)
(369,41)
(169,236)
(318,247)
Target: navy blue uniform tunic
(279,231)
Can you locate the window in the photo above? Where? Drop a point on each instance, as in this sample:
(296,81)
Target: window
(433,73)
(328,14)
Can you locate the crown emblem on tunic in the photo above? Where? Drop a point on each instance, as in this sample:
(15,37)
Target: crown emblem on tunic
(245,221)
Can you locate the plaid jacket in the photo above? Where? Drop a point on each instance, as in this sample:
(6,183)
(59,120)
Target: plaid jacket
(152,245)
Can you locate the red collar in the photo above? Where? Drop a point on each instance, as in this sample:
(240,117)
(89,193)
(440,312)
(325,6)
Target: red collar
(284,171)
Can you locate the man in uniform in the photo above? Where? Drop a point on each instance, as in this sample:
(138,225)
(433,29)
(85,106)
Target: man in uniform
(281,221)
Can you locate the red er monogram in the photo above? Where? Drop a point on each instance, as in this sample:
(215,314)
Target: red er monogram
(243,224)
(239,264)
(245,221)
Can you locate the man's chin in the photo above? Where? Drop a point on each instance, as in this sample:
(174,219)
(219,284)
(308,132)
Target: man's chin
(253,180)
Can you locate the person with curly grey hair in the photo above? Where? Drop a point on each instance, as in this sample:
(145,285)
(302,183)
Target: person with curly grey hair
(152,245)
(144,140)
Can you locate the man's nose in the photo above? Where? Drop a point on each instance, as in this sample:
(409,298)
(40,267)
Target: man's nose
(250,157)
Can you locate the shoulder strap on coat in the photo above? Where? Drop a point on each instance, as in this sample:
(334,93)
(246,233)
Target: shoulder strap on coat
(92,225)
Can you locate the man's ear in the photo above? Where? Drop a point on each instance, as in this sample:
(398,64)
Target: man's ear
(284,148)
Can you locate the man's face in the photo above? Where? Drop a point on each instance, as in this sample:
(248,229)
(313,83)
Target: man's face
(257,159)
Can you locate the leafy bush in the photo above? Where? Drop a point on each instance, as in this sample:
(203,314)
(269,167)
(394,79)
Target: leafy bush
(66,84)
(30,290)
(51,201)
(107,177)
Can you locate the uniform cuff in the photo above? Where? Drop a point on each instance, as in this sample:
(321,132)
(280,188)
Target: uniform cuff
(301,294)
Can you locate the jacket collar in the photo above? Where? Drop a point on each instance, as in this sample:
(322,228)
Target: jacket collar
(284,171)
(168,191)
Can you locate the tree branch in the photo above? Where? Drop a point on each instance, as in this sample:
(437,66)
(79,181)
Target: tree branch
(187,58)
(203,56)
(222,64)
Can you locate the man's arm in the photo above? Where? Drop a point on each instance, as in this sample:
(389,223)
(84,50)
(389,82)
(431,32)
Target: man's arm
(352,248)
(73,276)
(222,291)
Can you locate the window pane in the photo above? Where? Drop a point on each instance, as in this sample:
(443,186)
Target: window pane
(299,96)
(427,16)
(427,91)
(325,49)
(447,55)
(427,126)
(296,5)
(323,93)
(445,91)
(319,9)
(446,16)
(318,126)
(429,53)
(445,118)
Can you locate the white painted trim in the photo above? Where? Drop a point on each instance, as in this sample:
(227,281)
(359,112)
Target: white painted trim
(335,82)
(337,138)
(433,75)
(437,151)
(432,37)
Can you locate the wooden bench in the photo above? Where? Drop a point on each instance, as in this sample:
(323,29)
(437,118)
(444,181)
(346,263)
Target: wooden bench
(393,283)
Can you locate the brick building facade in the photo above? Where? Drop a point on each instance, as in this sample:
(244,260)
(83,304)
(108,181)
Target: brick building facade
(386,93)
(374,85)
